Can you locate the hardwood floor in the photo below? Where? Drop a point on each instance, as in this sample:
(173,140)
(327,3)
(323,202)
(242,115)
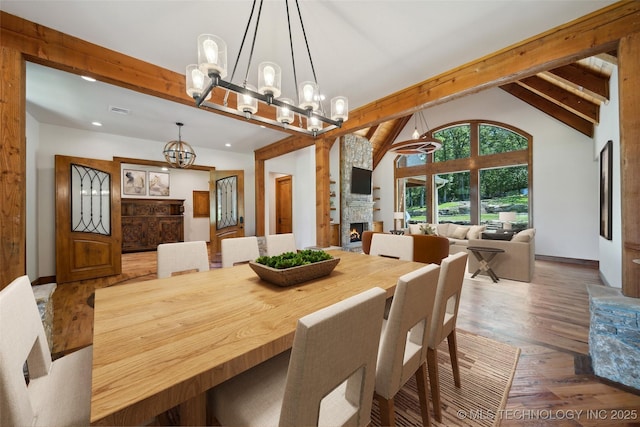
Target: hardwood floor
(547,318)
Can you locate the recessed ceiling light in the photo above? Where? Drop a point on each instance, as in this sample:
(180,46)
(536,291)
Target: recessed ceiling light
(96,123)
(89,79)
(227,145)
(164,168)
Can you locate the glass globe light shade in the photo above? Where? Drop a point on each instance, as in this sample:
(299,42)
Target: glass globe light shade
(308,94)
(284,114)
(269,79)
(212,55)
(197,81)
(339,108)
(246,103)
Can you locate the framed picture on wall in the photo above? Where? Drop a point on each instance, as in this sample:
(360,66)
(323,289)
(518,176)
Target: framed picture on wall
(606,187)
(134,182)
(159,184)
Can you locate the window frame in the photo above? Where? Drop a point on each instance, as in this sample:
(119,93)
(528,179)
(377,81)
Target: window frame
(474,163)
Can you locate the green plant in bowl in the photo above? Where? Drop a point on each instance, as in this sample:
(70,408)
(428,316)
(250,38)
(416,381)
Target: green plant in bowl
(294,259)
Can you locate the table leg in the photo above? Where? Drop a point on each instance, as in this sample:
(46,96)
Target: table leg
(484,265)
(478,256)
(193,412)
(489,270)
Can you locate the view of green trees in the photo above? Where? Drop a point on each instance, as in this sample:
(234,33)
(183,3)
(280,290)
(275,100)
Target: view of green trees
(501,189)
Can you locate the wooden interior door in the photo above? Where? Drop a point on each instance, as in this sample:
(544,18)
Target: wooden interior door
(88,233)
(226,191)
(284,209)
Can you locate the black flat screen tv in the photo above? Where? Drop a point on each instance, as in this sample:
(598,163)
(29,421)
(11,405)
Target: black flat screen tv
(360,181)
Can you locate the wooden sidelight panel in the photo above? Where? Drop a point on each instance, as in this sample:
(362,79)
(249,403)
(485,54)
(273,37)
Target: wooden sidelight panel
(88,234)
(227,207)
(284,207)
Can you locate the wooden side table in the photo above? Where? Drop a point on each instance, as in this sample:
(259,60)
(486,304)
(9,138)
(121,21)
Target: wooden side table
(484,257)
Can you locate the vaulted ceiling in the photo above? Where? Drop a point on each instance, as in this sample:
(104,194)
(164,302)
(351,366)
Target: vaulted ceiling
(571,94)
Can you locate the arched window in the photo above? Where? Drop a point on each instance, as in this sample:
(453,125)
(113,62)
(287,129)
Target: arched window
(483,169)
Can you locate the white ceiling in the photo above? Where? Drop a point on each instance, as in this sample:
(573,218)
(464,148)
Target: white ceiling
(364,50)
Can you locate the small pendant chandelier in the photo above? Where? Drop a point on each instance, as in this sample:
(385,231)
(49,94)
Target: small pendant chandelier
(419,143)
(179,154)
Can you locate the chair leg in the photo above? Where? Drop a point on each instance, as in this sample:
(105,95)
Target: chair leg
(421,381)
(434,382)
(453,353)
(387,411)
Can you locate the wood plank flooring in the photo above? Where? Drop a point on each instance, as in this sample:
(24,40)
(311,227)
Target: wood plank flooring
(547,318)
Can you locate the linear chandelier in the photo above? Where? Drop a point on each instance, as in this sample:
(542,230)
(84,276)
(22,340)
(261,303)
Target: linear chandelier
(210,71)
(419,143)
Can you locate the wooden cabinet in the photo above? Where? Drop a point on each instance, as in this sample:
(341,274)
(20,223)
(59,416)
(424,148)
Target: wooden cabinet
(148,222)
(377,226)
(334,239)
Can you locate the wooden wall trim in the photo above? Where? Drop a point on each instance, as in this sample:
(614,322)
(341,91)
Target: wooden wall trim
(159,163)
(323,204)
(13,167)
(629,95)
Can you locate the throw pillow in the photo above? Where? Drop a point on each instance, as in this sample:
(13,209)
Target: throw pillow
(524,236)
(475,231)
(415,228)
(460,232)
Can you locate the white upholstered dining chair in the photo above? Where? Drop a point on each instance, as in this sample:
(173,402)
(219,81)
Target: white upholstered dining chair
(445,316)
(280,243)
(237,250)
(404,341)
(327,378)
(58,392)
(393,246)
(182,256)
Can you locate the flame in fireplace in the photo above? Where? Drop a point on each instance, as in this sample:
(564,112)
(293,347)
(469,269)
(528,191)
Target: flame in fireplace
(354,236)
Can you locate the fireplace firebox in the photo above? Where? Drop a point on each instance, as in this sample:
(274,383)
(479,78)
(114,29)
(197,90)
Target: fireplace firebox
(356,229)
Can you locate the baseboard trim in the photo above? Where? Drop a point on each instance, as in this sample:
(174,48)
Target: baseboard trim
(585,262)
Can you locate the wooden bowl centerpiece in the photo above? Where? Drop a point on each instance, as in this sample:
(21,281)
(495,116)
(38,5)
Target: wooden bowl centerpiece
(292,268)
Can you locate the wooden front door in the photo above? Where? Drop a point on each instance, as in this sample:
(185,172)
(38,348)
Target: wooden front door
(226,191)
(284,220)
(88,234)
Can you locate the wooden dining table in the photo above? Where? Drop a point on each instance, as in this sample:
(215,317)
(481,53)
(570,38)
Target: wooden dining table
(163,343)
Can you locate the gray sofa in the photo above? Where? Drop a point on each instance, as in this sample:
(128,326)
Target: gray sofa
(458,235)
(516,263)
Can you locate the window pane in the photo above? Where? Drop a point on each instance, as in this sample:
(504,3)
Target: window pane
(90,200)
(495,139)
(456,143)
(504,190)
(406,160)
(415,199)
(453,197)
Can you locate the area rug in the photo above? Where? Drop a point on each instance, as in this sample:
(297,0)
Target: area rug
(487,368)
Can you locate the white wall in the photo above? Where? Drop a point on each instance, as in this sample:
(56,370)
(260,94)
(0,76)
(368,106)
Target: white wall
(301,165)
(79,143)
(565,173)
(182,183)
(33,138)
(610,251)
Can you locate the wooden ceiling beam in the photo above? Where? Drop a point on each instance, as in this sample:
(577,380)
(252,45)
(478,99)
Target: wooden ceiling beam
(563,98)
(581,79)
(384,145)
(371,131)
(592,34)
(550,108)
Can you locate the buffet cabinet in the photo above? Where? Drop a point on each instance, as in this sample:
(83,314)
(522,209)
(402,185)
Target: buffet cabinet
(148,222)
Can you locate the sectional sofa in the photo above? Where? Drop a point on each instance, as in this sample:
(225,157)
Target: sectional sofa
(516,263)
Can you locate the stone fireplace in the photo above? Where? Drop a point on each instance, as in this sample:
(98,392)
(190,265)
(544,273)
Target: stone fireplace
(614,335)
(355,208)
